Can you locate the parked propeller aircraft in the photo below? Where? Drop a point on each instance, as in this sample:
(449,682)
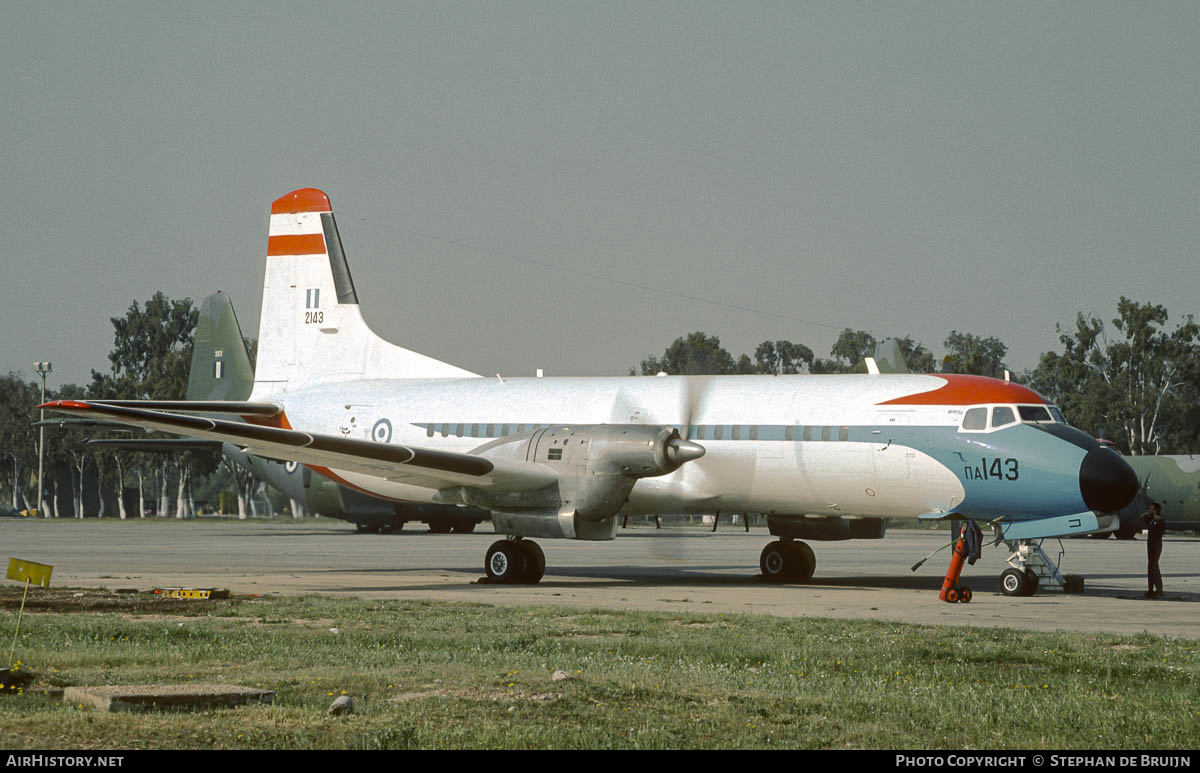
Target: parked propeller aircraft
(562,457)
(221,370)
(1171,480)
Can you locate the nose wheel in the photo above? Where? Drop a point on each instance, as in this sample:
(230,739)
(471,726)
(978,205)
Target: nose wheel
(515,561)
(1018,582)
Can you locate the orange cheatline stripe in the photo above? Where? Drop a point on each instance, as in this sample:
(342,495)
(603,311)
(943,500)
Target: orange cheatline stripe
(296,244)
(964,389)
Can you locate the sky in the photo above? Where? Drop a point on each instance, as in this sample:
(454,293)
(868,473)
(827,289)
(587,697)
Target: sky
(571,186)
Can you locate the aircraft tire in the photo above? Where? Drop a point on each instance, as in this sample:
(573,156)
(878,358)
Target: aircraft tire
(363,527)
(464,528)
(773,561)
(1031,583)
(1012,583)
(505,562)
(804,562)
(389,527)
(439,527)
(535,562)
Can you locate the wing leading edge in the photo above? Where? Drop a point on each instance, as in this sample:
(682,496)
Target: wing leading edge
(405,464)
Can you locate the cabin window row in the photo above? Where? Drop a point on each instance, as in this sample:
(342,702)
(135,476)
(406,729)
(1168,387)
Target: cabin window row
(478,430)
(791,432)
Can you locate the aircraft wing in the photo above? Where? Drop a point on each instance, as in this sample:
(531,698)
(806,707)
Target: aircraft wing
(236,407)
(405,464)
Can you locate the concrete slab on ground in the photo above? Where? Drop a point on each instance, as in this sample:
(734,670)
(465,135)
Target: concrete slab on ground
(151,697)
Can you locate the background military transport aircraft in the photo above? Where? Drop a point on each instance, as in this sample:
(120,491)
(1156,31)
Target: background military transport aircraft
(562,457)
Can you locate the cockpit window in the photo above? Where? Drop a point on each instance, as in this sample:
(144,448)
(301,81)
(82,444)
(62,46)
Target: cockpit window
(1057,414)
(1002,415)
(1034,413)
(976,418)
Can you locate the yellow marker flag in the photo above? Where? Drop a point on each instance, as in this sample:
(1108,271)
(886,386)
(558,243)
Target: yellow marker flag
(28,571)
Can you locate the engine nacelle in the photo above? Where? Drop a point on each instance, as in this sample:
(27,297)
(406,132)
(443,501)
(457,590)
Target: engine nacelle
(597,467)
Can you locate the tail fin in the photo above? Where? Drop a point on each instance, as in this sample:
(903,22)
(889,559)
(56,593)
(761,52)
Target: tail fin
(889,357)
(311,330)
(221,369)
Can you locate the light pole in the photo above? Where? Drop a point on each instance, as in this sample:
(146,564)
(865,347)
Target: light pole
(42,368)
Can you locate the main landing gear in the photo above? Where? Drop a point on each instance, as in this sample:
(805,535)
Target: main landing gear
(515,561)
(787,560)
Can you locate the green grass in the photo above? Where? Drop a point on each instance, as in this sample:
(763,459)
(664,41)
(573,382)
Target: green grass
(441,675)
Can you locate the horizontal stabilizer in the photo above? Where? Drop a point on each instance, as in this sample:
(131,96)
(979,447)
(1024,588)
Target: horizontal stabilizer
(168,445)
(61,422)
(405,464)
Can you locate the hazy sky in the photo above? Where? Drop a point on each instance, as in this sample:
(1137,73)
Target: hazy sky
(524,185)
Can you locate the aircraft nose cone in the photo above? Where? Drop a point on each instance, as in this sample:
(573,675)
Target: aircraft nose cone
(1106,481)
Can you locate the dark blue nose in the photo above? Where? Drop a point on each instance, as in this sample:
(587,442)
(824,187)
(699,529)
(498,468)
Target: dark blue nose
(1106,481)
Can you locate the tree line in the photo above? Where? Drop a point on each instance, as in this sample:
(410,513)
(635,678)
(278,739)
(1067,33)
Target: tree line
(150,360)
(1134,380)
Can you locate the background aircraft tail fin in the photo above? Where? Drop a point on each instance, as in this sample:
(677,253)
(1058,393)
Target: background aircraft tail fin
(221,368)
(889,357)
(311,330)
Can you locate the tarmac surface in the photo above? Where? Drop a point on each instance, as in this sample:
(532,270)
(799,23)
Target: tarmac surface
(679,569)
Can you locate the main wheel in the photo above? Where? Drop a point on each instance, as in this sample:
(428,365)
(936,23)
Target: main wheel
(390,527)
(505,562)
(439,527)
(535,562)
(804,563)
(464,528)
(1012,582)
(365,527)
(773,561)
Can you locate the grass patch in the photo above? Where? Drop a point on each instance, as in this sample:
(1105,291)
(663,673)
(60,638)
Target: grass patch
(442,675)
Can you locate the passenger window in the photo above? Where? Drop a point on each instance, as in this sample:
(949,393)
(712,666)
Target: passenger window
(445,430)
(736,432)
(700,432)
(429,431)
(789,432)
(754,432)
(718,432)
(844,434)
(808,433)
(826,433)
(491,430)
(1002,417)
(474,430)
(504,431)
(975,419)
(458,430)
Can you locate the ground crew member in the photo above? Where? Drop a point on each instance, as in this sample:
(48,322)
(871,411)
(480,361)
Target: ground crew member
(1155,526)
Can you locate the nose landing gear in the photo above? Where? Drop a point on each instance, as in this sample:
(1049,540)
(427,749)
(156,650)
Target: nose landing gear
(1031,567)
